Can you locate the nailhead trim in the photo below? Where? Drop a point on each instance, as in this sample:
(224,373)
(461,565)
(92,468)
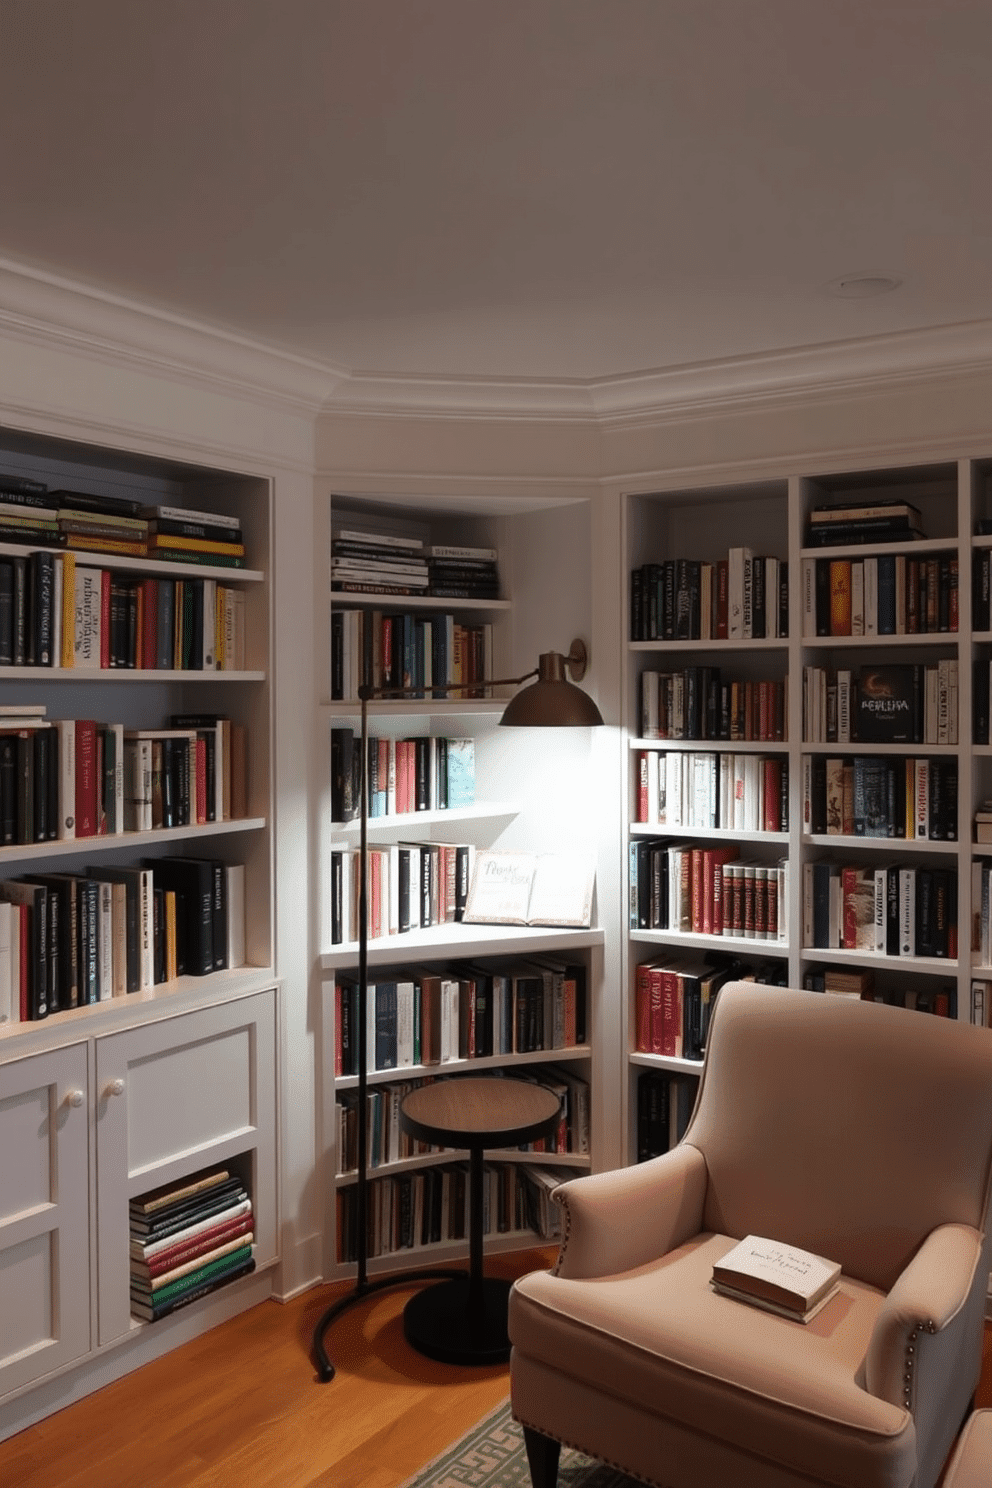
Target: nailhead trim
(908,1376)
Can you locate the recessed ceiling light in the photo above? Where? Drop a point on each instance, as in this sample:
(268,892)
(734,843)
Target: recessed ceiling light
(863,286)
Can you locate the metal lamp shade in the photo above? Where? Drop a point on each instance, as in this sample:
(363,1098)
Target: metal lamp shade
(551,701)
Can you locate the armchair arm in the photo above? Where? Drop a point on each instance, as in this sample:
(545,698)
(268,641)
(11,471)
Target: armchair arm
(929,1297)
(615,1221)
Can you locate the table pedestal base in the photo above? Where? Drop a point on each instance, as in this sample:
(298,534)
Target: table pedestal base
(439,1323)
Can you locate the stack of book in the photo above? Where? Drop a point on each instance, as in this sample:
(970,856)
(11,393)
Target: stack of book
(101,524)
(365,562)
(402,649)
(841,981)
(422,773)
(178,535)
(460,572)
(27,515)
(187,1240)
(864,522)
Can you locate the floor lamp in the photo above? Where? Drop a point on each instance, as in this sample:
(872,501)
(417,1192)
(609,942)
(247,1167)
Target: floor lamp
(552,701)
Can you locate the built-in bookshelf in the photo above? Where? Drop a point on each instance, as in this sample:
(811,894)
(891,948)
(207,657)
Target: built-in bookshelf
(445,782)
(884,884)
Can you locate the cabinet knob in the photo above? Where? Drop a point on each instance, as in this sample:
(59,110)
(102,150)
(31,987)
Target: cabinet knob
(114,1087)
(75,1098)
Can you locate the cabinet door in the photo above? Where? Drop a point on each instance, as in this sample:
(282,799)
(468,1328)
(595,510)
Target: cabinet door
(44,1215)
(173,1097)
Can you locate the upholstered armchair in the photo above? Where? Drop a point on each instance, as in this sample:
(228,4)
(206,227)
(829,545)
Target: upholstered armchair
(855,1130)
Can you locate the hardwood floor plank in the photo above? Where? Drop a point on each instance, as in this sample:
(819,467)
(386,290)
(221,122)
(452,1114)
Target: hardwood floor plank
(243,1405)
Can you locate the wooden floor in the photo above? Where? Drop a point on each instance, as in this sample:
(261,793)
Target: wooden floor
(242,1407)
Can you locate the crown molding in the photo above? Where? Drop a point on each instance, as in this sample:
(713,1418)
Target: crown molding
(661,394)
(50,311)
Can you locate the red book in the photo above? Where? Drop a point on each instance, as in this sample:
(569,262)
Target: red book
(201,781)
(149,632)
(671,1001)
(657,1045)
(338,1032)
(952,595)
(722,592)
(104,621)
(771,912)
(87,814)
(772,795)
(737,918)
(642,1008)
(696,871)
(713,861)
(642,786)
(849,879)
(177,1255)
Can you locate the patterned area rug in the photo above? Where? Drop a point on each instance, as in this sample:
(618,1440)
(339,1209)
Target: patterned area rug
(492,1455)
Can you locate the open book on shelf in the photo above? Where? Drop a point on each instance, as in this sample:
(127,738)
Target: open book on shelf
(518,888)
(779,1278)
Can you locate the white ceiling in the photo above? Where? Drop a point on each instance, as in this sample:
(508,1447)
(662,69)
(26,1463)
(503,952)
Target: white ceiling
(562,189)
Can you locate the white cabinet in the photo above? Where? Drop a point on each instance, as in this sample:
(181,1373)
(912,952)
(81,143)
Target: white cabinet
(173,1097)
(88,1126)
(44,1214)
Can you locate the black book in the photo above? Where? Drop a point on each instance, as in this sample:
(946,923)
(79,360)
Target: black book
(88,909)
(158,934)
(892,912)
(337,873)
(980,701)
(8,788)
(889,704)
(192,880)
(759,600)
(84,501)
(45,744)
(463,871)
(818,795)
(403,889)
(6,612)
(821,905)
(165,634)
(154,1224)
(220,914)
(25,785)
(668,581)
(206,531)
(345,772)
(337,656)
(24,491)
(43,587)
(783,598)
(854,533)
(822,596)
(20,611)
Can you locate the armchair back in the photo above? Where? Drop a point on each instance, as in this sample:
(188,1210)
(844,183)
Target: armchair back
(849,1128)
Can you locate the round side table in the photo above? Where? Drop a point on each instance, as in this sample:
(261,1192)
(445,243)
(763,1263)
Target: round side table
(464,1321)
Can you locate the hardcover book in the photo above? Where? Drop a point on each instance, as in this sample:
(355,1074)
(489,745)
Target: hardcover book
(889,704)
(781,1278)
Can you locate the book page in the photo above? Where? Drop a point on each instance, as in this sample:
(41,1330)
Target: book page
(562,890)
(499,893)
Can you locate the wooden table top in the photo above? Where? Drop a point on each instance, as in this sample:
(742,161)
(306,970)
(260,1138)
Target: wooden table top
(480,1111)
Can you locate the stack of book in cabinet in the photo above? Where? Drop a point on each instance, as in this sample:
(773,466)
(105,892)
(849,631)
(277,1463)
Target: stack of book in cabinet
(188,1239)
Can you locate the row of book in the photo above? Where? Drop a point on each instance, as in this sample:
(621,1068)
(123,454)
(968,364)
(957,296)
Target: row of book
(437,1015)
(429,1207)
(981,589)
(893,703)
(742,597)
(881,796)
(386,1143)
(188,1239)
(71,939)
(937,998)
(887,911)
(696,703)
(706,891)
(981,911)
(699,790)
(673,1004)
(55,612)
(33,514)
(834,524)
(890,594)
(981,709)
(377,648)
(410,886)
(424,772)
(664,1106)
(369,562)
(68,778)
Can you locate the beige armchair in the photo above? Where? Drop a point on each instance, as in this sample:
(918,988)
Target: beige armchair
(855,1130)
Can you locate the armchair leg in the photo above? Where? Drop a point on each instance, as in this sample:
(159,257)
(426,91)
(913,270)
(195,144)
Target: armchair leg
(542,1457)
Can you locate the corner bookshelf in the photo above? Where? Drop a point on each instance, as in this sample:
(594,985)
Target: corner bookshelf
(531,794)
(774,518)
(110,1067)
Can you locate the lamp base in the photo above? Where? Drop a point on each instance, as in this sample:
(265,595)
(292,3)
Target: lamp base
(325,1369)
(438,1322)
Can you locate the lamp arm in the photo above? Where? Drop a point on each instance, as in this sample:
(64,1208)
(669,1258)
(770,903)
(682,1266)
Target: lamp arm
(369,693)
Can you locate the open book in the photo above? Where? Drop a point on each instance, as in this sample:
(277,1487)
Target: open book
(780,1278)
(516,888)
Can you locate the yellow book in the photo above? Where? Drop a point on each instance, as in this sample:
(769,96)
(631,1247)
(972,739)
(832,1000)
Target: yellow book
(170,935)
(68,609)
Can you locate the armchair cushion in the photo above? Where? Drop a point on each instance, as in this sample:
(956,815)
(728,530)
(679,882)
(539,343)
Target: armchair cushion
(763,1385)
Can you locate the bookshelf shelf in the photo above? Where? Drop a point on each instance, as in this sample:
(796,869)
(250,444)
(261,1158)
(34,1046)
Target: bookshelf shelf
(136,564)
(408,823)
(574,1160)
(888,845)
(932,965)
(870,550)
(708,834)
(911,751)
(732,943)
(711,746)
(414,709)
(159,837)
(575,1053)
(928,638)
(386,599)
(670,1062)
(732,647)
(62,675)
(462,941)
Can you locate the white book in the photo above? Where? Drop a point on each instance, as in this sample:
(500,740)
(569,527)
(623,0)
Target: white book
(907,911)
(843,705)
(88,611)
(726,790)
(857,598)
(953,702)
(871,596)
(673,790)
(58,573)
(138,785)
(236,953)
(881,892)
(943,701)
(770,1274)
(783,900)
(752,792)
(653,763)
(9,999)
(449,1019)
(66,728)
(404,1023)
(738,560)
